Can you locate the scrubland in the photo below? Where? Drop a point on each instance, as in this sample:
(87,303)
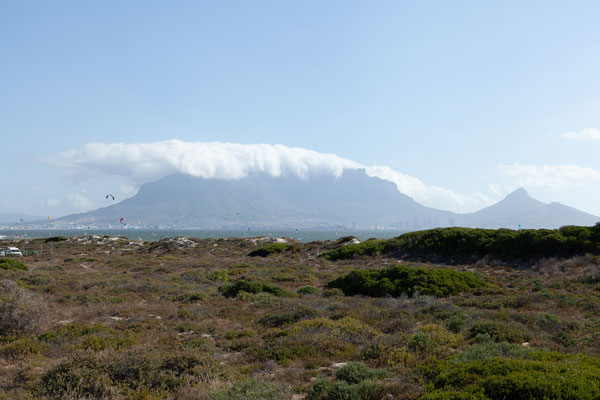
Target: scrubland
(223,319)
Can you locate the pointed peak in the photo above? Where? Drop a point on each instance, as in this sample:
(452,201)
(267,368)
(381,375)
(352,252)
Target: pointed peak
(518,193)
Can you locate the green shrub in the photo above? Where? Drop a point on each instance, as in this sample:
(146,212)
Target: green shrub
(18,348)
(479,352)
(456,322)
(253,287)
(333,292)
(252,389)
(219,275)
(11,263)
(541,375)
(356,372)
(364,389)
(308,289)
(95,337)
(399,279)
(270,249)
(499,331)
(505,244)
(193,297)
(128,374)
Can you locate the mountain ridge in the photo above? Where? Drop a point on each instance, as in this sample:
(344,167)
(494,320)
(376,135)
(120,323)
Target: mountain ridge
(352,200)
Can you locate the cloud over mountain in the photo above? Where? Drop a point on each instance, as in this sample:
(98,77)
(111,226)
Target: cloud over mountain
(555,177)
(142,162)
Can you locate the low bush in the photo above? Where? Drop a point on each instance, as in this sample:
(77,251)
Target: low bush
(395,281)
(278,320)
(308,289)
(499,331)
(96,337)
(129,375)
(21,311)
(271,249)
(11,263)
(354,381)
(537,375)
(356,372)
(17,348)
(252,389)
(253,287)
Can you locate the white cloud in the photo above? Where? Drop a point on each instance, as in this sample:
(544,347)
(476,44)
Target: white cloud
(585,134)
(51,203)
(79,201)
(142,162)
(433,196)
(556,177)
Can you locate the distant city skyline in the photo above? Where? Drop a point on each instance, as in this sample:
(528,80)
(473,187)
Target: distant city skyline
(457,103)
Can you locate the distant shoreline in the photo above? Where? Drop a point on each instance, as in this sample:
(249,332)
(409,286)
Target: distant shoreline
(302,235)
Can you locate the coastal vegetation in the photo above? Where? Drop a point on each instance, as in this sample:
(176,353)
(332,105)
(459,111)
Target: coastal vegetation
(182,319)
(462,244)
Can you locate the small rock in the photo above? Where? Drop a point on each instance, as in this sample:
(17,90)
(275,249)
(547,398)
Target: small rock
(525,344)
(339,365)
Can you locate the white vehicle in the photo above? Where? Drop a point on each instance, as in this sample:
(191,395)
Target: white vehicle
(13,251)
(2,253)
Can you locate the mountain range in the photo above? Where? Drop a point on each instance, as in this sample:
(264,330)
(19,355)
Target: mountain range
(352,200)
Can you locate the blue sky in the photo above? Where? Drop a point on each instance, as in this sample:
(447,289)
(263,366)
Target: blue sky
(469,99)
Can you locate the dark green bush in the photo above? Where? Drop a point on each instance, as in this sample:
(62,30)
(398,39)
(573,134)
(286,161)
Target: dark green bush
(499,331)
(270,249)
(10,263)
(55,239)
(251,287)
(395,281)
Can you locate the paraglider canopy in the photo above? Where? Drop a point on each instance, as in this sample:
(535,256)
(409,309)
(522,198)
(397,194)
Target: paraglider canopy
(110,195)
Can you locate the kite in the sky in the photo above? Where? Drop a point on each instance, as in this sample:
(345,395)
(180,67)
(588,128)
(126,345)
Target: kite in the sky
(122,220)
(110,195)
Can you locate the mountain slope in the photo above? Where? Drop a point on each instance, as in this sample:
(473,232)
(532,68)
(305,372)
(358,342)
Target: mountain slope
(352,199)
(519,209)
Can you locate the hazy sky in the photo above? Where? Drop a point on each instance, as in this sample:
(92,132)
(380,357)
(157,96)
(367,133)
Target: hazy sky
(457,102)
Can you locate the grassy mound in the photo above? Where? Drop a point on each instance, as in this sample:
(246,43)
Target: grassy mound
(400,279)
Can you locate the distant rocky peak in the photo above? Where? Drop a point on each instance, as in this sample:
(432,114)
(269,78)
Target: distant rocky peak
(519,193)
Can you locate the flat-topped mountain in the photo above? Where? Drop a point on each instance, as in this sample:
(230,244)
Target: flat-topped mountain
(352,200)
